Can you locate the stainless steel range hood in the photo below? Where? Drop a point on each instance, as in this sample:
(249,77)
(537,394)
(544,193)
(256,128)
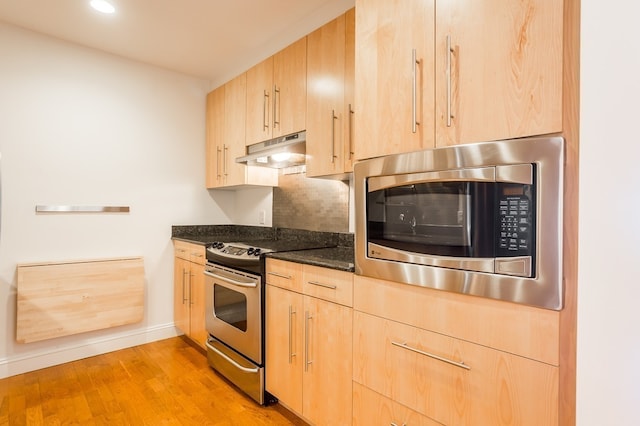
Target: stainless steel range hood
(278,153)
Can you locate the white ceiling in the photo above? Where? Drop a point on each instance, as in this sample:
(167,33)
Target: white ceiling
(211,39)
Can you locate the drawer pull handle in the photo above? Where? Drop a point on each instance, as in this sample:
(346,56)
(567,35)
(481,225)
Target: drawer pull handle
(319,284)
(277,274)
(439,358)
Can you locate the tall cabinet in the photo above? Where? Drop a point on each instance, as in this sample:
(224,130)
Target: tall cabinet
(443,73)
(330,103)
(394,88)
(188,295)
(498,69)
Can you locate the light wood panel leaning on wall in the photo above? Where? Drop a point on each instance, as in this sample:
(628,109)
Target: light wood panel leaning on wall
(58,299)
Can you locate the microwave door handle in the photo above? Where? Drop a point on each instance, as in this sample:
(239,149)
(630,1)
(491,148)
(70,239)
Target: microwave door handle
(479,174)
(252,284)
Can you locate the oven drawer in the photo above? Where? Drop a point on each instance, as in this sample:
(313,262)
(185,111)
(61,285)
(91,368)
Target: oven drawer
(236,368)
(450,380)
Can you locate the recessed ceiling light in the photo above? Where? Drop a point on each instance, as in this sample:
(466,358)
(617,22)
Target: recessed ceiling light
(103,6)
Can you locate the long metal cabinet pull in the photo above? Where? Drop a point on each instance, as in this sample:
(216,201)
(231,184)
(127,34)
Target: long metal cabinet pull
(224,159)
(396,424)
(319,284)
(218,151)
(439,358)
(350,130)
(307,318)
(276,106)
(184,283)
(191,274)
(265,118)
(291,354)
(277,274)
(414,93)
(449,52)
(333,135)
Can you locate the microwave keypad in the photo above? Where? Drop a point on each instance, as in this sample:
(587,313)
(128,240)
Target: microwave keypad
(515,225)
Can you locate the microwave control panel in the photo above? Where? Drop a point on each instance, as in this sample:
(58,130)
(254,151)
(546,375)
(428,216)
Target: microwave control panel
(516,220)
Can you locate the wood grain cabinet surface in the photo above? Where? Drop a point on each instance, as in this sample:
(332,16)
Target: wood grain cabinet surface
(188,293)
(277,94)
(308,344)
(450,380)
(443,73)
(330,74)
(226,117)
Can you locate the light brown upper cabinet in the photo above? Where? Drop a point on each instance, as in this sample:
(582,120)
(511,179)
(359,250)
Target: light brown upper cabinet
(277,94)
(437,74)
(394,87)
(498,69)
(215,137)
(330,74)
(226,139)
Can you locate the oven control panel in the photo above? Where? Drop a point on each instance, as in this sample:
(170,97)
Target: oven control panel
(235,251)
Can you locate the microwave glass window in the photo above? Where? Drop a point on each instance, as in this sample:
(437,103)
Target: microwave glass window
(443,218)
(230,306)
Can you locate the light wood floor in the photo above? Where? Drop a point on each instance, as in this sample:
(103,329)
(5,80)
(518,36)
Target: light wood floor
(161,383)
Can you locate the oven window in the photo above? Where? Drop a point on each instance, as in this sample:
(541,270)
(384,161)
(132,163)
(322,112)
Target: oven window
(230,306)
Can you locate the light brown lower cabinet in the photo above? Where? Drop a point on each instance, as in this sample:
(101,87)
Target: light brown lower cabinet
(449,380)
(308,347)
(188,293)
(371,408)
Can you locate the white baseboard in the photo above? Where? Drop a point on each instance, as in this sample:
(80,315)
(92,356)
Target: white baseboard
(19,364)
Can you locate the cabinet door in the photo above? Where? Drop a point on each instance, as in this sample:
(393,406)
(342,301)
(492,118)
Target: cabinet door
(215,137)
(371,408)
(197,308)
(259,102)
(283,346)
(392,91)
(234,135)
(328,372)
(505,69)
(325,99)
(450,380)
(181,273)
(289,90)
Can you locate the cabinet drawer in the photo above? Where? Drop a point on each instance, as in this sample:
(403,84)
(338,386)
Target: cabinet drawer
(328,284)
(192,252)
(523,330)
(283,274)
(450,380)
(181,250)
(371,408)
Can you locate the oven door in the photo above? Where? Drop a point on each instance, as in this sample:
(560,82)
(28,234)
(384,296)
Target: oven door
(233,309)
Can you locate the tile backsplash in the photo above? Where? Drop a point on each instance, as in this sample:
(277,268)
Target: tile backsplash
(311,203)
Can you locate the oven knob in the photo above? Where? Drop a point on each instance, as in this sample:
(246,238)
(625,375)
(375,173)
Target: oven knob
(256,252)
(250,251)
(218,245)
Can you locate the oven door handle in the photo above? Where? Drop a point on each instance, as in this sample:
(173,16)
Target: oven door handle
(235,364)
(251,284)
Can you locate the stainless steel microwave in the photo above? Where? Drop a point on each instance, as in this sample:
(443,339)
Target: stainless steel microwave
(483,219)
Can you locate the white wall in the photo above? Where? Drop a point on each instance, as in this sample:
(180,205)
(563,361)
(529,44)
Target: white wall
(80,127)
(609,259)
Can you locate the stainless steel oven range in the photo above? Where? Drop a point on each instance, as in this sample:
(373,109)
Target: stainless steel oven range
(235,316)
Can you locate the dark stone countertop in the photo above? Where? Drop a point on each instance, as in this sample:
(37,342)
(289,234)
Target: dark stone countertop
(340,258)
(336,251)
